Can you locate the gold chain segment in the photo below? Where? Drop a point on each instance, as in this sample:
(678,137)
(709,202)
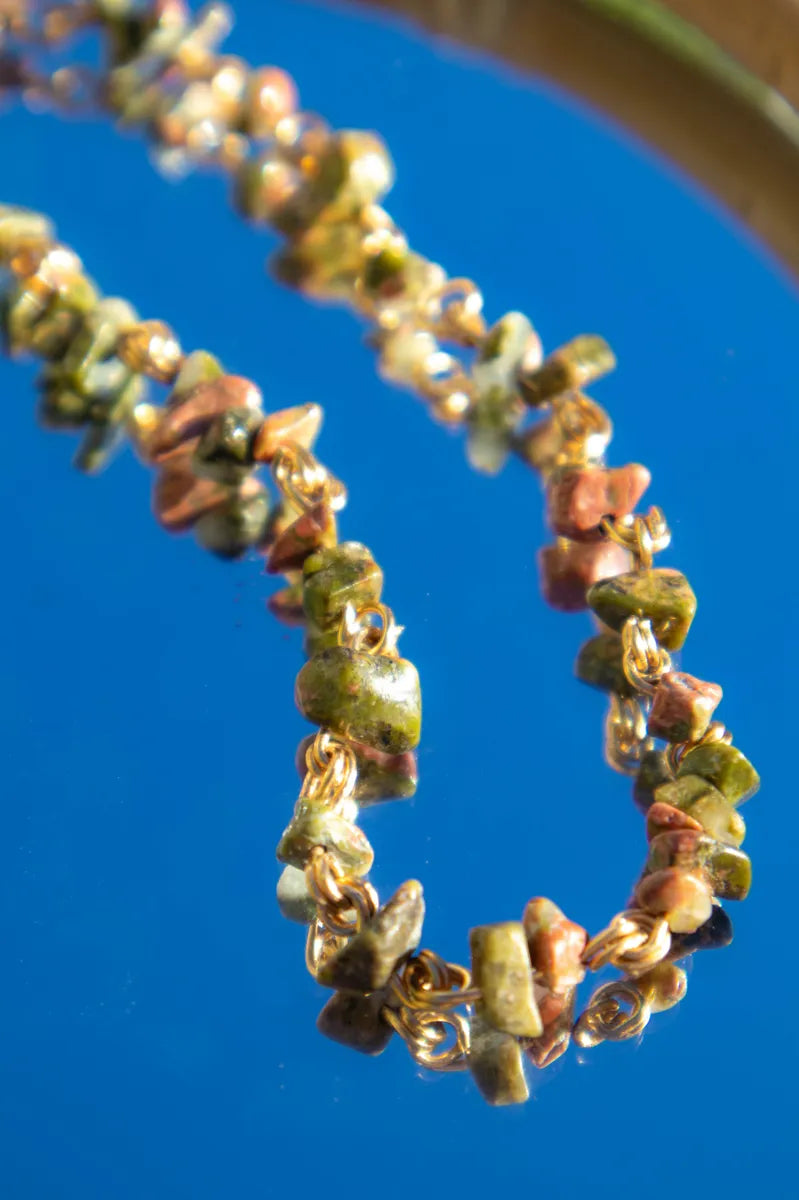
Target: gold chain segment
(208,441)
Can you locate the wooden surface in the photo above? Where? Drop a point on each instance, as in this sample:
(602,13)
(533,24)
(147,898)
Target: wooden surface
(734,136)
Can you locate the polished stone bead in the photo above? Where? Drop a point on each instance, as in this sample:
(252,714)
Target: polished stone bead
(42,313)
(195,410)
(224,452)
(232,528)
(661,594)
(151,348)
(337,576)
(502,971)
(196,368)
(725,767)
(715,934)
(579,497)
(356,170)
(312,530)
(682,707)
(368,959)
(705,803)
(683,898)
(180,499)
(555,944)
(728,868)
(557,1015)
(293,898)
(567,570)
(496,409)
(653,770)
(298,425)
(356,1021)
(599,664)
(496,1065)
(369,697)
(312,826)
(380,776)
(316,640)
(662,986)
(664,818)
(580,362)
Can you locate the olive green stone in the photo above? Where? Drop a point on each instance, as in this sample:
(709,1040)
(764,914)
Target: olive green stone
(224,452)
(368,697)
(728,868)
(47,331)
(367,961)
(235,526)
(581,361)
(293,898)
(599,665)
(317,639)
(497,1065)
(501,970)
(22,227)
(662,595)
(496,410)
(336,576)
(356,1021)
(725,767)
(653,771)
(314,826)
(198,367)
(705,803)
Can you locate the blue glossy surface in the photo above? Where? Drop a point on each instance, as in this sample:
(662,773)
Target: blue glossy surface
(157,1023)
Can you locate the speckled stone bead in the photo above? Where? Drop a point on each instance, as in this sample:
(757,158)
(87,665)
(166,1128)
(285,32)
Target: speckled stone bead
(196,368)
(599,664)
(502,971)
(180,499)
(496,1065)
(653,771)
(300,425)
(380,776)
(356,1021)
(705,803)
(367,960)
(568,569)
(197,408)
(682,897)
(337,576)
(238,524)
(555,944)
(314,826)
(661,594)
(682,707)
(311,531)
(715,934)
(663,986)
(579,497)
(224,451)
(496,408)
(580,362)
(316,639)
(369,697)
(664,818)
(557,1015)
(728,869)
(725,767)
(293,898)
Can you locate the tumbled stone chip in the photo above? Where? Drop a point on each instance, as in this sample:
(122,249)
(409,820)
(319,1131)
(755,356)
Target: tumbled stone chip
(368,959)
(502,971)
(661,594)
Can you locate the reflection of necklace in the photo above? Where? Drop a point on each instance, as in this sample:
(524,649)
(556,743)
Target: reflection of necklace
(320,190)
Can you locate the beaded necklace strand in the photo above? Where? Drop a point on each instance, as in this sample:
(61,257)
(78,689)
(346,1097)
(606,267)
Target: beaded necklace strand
(207,442)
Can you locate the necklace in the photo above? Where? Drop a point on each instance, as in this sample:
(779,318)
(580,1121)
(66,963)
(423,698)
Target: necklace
(320,189)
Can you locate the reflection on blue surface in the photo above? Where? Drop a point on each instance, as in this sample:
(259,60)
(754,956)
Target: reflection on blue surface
(158,1026)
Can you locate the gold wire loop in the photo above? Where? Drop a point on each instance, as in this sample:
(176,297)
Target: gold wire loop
(304,481)
(633,942)
(643,659)
(343,905)
(605,1018)
(626,738)
(717,732)
(436,1040)
(370,629)
(428,981)
(585,429)
(331,770)
(642,536)
(320,944)
(454,312)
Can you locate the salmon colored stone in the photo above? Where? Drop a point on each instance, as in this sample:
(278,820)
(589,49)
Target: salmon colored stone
(567,570)
(682,707)
(286,605)
(197,409)
(579,497)
(180,499)
(300,425)
(557,1015)
(315,528)
(664,818)
(683,898)
(555,943)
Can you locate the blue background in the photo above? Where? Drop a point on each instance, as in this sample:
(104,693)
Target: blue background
(156,1023)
